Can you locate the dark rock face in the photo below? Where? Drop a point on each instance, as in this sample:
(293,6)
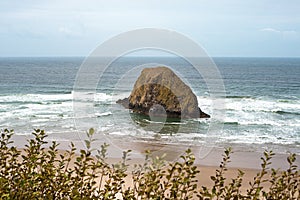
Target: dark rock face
(161,86)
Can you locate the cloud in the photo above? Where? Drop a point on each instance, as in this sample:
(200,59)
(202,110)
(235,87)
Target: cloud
(71,32)
(272,30)
(284,34)
(66,30)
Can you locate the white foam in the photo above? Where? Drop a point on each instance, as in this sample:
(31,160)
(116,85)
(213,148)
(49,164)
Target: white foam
(258,105)
(35,98)
(123,95)
(100,97)
(103,114)
(250,121)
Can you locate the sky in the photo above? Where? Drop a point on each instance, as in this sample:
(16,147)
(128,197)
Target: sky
(233,28)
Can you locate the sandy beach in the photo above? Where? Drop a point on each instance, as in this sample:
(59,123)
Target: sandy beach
(205,156)
(241,159)
(247,161)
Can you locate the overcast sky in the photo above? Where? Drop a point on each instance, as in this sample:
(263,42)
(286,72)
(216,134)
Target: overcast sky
(223,28)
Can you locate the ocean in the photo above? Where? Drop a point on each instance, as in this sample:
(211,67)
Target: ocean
(262,100)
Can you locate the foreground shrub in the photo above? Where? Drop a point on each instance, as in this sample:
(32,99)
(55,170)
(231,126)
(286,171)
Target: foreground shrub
(45,173)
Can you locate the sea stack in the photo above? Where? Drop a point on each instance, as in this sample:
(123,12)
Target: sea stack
(159,91)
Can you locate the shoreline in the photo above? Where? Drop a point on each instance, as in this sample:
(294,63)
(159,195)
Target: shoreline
(205,156)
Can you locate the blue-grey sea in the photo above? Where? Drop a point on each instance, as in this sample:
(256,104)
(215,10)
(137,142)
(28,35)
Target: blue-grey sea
(262,101)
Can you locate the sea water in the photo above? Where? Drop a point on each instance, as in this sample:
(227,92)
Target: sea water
(262,101)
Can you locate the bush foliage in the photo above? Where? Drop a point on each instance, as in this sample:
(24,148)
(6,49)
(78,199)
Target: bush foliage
(38,172)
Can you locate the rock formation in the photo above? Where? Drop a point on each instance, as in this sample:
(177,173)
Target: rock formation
(160,91)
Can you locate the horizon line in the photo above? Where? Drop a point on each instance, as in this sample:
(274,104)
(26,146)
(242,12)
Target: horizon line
(145,56)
